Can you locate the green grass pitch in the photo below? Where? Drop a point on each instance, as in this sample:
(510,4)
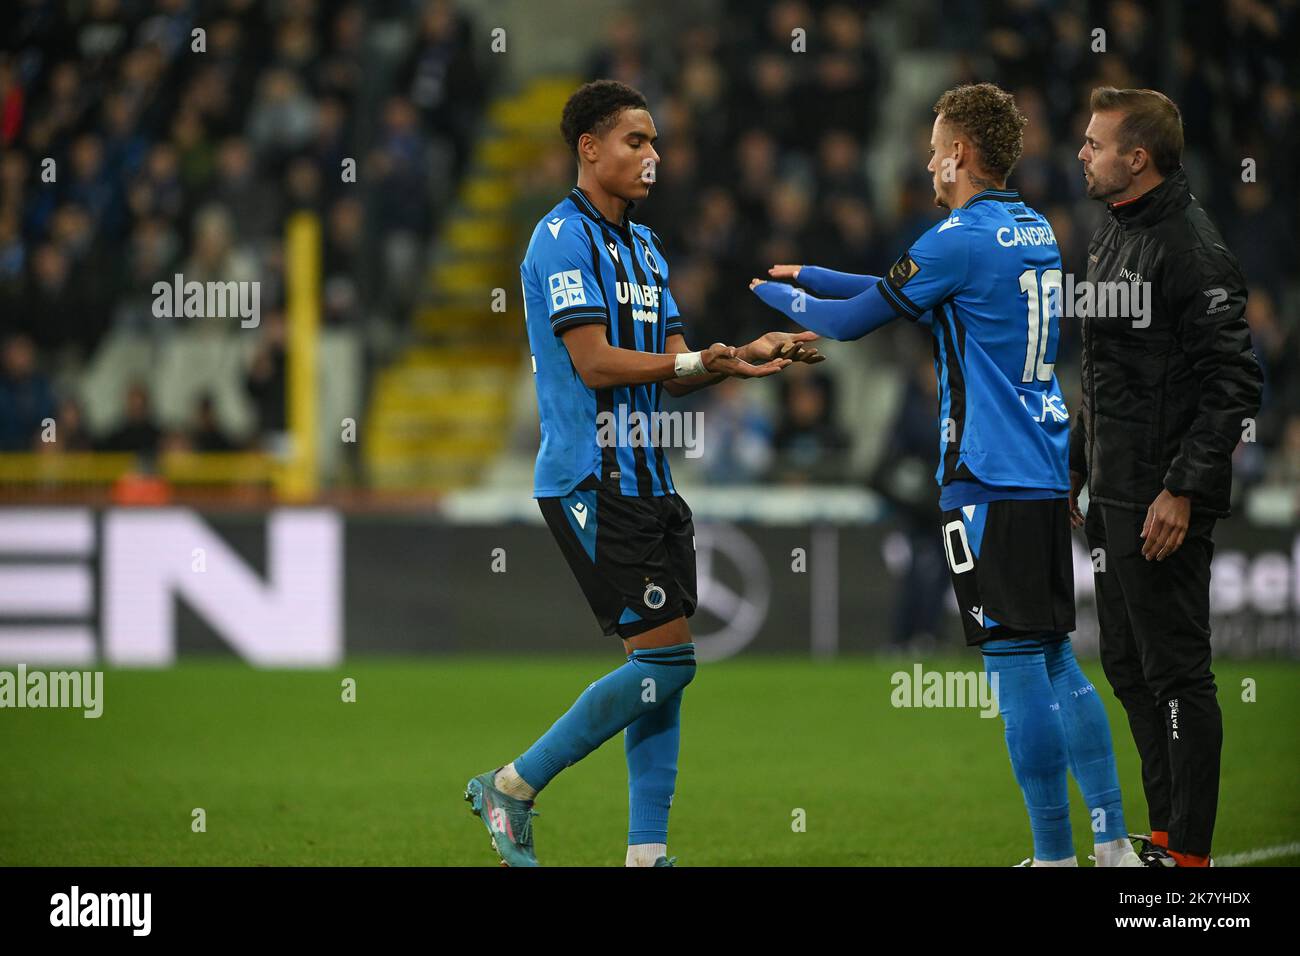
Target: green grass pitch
(289,774)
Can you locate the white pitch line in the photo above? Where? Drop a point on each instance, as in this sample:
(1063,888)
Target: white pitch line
(1258,856)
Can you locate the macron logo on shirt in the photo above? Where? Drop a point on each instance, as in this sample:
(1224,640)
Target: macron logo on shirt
(952,221)
(554,225)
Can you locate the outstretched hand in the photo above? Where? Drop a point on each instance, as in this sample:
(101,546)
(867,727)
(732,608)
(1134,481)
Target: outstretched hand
(727,360)
(788,345)
(778,272)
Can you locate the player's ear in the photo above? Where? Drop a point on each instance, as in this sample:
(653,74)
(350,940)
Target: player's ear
(959,153)
(1139,160)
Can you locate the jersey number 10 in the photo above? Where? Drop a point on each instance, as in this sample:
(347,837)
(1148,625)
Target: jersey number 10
(1040,321)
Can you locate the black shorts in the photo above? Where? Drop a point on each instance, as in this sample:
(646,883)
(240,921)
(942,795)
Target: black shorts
(1012,567)
(633,557)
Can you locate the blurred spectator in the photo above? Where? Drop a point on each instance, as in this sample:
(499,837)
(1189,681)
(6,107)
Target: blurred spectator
(12,102)
(625,55)
(399,170)
(346,252)
(58,309)
(905,478)
(70,431)
(809,445)
(302,186)
(737,436)
(1260,235)
(74,233)
(442,80)
(138,433)
(1277,347)
(282,119)
(338,74)
(196,156)
(216,256)
(847,77)
(158,190)
(253,201)
(330,147)
(13,255)
(26,398)
(266,380)
(399,165)
(91,186)
(1284,467)
(207,433)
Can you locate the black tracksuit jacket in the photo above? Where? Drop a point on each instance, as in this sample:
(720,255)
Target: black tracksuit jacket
(1164,403)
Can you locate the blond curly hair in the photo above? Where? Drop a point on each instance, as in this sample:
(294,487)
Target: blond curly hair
(989,116)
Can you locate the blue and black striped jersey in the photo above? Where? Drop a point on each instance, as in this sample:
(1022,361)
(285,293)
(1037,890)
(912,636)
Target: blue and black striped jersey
(581,268)
(988,282)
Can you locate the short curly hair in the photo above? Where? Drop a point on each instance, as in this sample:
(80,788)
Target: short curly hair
(594,108)
(989,116)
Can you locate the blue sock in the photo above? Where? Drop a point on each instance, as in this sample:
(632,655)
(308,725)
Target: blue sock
(1035,740)
(651,743)
(649,679)
(1088,741)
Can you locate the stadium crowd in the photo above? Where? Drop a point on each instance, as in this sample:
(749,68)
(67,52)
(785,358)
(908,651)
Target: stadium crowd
(135,148)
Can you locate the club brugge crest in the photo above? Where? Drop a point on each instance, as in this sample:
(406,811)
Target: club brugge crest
(651,262)
(654,597)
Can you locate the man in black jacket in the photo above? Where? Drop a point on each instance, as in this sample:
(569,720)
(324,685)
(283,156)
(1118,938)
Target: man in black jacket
(1167,391)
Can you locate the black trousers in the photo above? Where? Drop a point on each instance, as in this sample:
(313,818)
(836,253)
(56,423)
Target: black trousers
(1155,650)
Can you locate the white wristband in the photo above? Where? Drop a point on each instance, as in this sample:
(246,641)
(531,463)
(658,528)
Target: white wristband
(688,363)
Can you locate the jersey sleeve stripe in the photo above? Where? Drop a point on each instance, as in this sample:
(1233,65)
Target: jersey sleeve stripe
(900,303)
(578,315)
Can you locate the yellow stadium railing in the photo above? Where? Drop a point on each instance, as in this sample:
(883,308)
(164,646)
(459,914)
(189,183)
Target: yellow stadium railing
(105,468)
